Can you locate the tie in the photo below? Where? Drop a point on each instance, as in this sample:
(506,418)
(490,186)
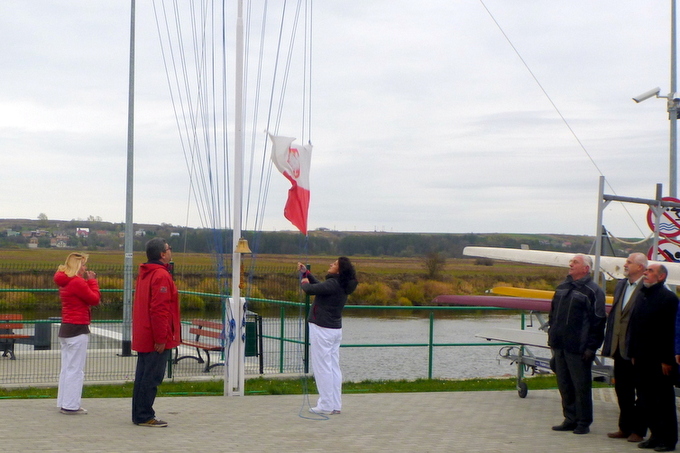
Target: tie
(626,296)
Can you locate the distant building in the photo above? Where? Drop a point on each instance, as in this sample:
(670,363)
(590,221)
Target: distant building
(82,232)
(33,243)
(174,234)
(59,242)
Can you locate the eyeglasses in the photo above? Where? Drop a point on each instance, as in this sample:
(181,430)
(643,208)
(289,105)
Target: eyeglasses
(168,249)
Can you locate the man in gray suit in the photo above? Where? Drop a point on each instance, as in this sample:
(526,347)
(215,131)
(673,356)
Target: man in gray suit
(631,423)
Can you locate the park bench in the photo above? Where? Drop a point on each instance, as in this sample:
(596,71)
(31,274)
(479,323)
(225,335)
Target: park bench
(8,323)
(202,329)
(207,337)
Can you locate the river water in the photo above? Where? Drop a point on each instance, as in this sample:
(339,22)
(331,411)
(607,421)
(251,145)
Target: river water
(392,363)
(389,363)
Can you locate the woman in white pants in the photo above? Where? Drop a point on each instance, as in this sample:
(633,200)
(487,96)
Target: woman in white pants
(325,329)
(78,291)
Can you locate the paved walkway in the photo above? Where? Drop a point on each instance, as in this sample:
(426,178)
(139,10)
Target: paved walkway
(404,422)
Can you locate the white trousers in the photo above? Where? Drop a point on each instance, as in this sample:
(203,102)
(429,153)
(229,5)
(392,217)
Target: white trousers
(73,354)
(325,354)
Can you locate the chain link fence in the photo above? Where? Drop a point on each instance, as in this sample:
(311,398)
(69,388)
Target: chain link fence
(30,312)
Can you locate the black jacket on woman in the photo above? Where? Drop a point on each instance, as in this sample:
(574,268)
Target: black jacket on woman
(330,298)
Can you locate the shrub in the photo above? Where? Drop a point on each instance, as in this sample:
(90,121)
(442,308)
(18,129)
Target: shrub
(414,293)
(111,300)
(433,289)
(404,302)
(254,292)
(208,285)
(372,294)
(463,287)
(542,284)
(192,302)
(19,301)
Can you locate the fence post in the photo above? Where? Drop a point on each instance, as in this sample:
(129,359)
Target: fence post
(282,335)
(306,357)
(430,347)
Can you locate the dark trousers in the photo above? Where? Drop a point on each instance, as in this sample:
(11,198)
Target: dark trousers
(657,401)
(630,416)
(574,380)
(148,376)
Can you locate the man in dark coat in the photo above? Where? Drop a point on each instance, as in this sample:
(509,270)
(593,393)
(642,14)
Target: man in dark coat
(577,319)
(651,338)
(626,293)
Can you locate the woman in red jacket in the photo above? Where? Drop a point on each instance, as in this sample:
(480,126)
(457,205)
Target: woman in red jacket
(78,290)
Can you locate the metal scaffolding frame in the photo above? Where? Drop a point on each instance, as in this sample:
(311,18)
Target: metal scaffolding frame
(657,205)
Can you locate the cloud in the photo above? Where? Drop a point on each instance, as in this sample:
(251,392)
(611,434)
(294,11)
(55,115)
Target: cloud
(434,117)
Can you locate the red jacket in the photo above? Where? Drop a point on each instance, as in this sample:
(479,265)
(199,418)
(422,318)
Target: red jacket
(77,296)
(155,311)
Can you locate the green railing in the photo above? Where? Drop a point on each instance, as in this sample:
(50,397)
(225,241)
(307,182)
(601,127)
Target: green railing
(430,345)
(285,343)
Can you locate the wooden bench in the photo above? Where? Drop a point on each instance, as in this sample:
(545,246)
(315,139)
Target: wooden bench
(202,329)
(208,338)
(8,322)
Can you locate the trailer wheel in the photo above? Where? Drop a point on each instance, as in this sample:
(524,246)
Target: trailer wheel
(522,389)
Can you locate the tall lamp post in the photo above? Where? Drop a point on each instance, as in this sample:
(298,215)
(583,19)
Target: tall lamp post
(672,100)
(127,264)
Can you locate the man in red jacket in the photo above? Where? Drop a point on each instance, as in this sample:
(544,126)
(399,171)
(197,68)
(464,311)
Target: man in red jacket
(155,329)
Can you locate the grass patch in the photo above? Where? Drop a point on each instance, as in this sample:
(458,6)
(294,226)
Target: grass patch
(263,386)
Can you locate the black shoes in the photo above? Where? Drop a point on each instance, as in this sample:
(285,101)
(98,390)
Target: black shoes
(649,443)
(576,429)
(565,426)
(656,445)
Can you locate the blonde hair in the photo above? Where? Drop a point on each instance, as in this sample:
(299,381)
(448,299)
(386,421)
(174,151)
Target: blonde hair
(74,261)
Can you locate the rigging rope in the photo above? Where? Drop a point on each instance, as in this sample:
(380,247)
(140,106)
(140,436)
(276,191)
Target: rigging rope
(194,41)
(651,235)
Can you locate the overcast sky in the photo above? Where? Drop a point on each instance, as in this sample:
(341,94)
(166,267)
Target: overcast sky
(424,118)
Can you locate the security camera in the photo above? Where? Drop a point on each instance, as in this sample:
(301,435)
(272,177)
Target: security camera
(647,94)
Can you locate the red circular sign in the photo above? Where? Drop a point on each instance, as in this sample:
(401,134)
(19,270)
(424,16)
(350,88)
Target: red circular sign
(668,251)
(669,224)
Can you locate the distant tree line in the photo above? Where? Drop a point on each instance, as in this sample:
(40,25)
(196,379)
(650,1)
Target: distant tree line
(318,242)
(374,244)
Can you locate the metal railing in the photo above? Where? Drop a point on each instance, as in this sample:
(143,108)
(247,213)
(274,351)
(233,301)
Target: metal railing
(281,345)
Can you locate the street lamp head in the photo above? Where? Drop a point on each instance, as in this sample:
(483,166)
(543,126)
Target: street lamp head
(647,94)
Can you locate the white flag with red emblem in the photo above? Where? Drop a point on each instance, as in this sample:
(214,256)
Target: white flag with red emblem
(294,162)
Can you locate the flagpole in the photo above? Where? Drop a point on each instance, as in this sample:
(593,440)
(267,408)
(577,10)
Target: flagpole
(235,370)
